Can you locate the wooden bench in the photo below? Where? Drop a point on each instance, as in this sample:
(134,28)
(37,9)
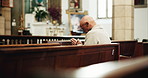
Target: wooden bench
(131,68)
(145,48)
(15,61)
(141,49)
(127,48)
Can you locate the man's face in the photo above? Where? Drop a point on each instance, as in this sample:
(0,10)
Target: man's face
(84,26)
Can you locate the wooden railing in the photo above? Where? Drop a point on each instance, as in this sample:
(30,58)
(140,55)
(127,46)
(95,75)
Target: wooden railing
(9,39)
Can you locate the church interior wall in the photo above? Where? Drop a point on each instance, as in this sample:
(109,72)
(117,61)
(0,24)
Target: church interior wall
(140,18)
(141,23)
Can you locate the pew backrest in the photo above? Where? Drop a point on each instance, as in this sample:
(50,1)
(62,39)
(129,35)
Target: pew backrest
(127,48)
(54,57)
(141,49)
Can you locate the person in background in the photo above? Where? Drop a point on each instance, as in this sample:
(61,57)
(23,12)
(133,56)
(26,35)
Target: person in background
(94,33)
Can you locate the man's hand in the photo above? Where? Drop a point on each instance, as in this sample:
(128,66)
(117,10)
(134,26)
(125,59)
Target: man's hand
(76,42)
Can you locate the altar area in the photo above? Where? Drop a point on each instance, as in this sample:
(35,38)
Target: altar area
(38,19)
(45,28)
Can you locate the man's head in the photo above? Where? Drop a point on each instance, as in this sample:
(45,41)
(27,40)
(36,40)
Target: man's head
(87,23)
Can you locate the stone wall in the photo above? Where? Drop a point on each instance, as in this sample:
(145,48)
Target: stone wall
(6,13)
(123,20)
(2,25)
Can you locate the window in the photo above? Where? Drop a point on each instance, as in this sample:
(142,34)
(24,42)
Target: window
(104,8)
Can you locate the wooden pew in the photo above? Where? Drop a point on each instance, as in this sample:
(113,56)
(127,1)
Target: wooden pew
(16,61)
(127,48)
(145,48)
(131,68)
(141,49)
(145,40)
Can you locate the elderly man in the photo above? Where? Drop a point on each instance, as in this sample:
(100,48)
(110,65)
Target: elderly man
(95,34)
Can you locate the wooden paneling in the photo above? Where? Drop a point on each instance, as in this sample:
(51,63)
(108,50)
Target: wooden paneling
(40,63)
(107,55)
(89,59)
(95,55)
(67,61)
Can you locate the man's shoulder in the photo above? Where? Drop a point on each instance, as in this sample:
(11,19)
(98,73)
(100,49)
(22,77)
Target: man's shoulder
(93,31)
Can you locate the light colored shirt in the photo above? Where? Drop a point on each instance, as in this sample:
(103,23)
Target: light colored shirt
(97,35)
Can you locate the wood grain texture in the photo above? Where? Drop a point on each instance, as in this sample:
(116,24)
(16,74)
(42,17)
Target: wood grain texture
(18,61)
